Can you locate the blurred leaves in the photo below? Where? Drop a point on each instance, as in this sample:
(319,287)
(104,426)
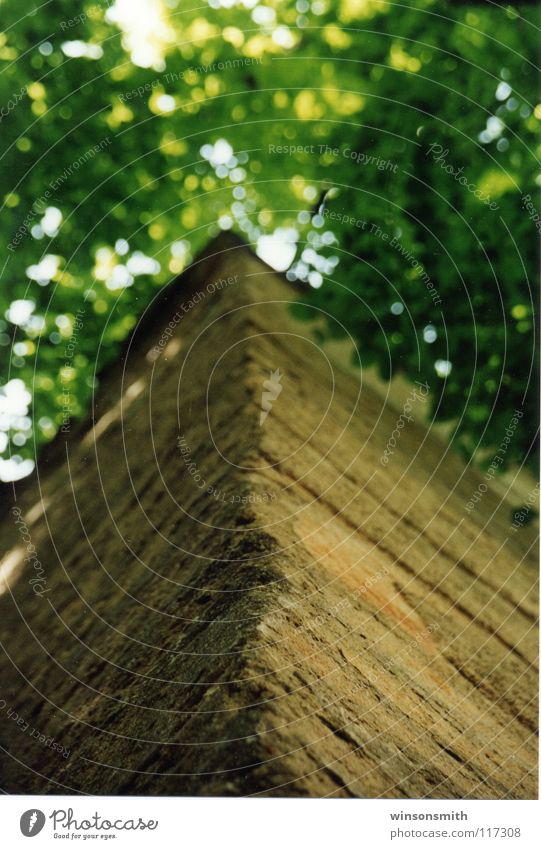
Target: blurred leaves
(145,143)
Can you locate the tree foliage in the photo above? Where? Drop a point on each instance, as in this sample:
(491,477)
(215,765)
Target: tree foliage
(394,146)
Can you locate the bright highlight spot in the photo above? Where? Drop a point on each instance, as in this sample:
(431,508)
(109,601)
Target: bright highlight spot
(217,154)
(15,468)
(139,263)
(165,103)
(19,312)
(443,368)
(51,221)
(279,249)
(44,271)
(430,334)
(145,28)
(503,91)
(80,49)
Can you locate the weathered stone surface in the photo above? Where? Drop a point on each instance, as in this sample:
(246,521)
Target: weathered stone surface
(316,625)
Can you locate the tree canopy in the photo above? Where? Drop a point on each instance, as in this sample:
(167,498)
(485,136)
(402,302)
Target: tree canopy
(384,154)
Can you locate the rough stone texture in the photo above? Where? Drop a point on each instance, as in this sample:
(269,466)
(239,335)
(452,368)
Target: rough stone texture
(318,625)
